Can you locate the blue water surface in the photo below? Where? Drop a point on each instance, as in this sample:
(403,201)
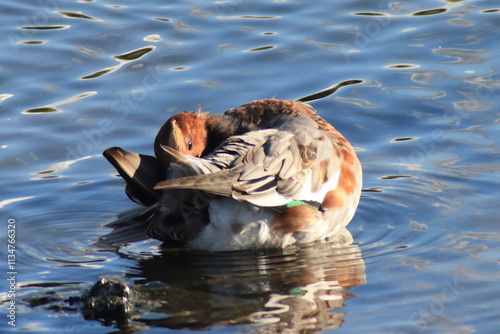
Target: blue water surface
(80,76)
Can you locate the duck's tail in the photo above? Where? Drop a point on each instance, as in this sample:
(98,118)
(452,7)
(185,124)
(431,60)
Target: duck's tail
(141,172)
(170,216)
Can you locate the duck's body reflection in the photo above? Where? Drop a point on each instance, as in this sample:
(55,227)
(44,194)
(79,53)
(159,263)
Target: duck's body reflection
(297,288)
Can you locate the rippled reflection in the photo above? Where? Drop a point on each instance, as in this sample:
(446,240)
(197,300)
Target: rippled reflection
(430,12)
(491,11)
(4,97)
(293,290)
(395,140)
(13,200)
(53,107)
(463,56)
(401,66)
(417,92)
(123,59)
(74,15)
(262,48)
(54,170)
(31,42)
(49,27)
(370,14)
(248,17)
(328,91)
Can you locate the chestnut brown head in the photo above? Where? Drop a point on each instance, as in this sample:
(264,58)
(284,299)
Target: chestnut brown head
(185,132)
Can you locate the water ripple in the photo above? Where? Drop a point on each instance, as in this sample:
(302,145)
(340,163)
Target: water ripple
(4,97)
(261,48)
(430,12)
(77,15)
(53,107)
(251,17)
(123,59)
(51,27)
(418,92)
(462,56)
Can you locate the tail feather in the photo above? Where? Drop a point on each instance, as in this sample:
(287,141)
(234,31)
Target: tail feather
(141,172)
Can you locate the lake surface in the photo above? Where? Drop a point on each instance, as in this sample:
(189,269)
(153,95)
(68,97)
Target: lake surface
(78,77)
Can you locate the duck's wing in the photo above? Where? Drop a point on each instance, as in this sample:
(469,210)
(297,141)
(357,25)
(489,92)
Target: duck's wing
(130,226)
(269,168)
(182,225)
(175,223)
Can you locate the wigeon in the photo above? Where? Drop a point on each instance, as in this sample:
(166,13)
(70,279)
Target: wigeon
(268,174)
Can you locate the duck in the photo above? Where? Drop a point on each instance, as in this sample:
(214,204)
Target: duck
(268,174)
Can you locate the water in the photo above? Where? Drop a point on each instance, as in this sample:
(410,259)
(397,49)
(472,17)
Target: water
(78,77)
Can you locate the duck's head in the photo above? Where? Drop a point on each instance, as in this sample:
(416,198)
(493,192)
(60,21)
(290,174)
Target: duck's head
(185,132)
(193,133)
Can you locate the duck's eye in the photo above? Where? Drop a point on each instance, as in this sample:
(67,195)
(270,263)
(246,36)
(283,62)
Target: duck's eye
(190,145)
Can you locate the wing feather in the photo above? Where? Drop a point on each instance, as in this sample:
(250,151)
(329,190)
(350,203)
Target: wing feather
(263,167)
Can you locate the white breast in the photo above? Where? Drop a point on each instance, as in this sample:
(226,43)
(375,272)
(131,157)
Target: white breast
(236,225)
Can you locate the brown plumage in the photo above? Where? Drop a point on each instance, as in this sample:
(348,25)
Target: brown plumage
(261,157)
